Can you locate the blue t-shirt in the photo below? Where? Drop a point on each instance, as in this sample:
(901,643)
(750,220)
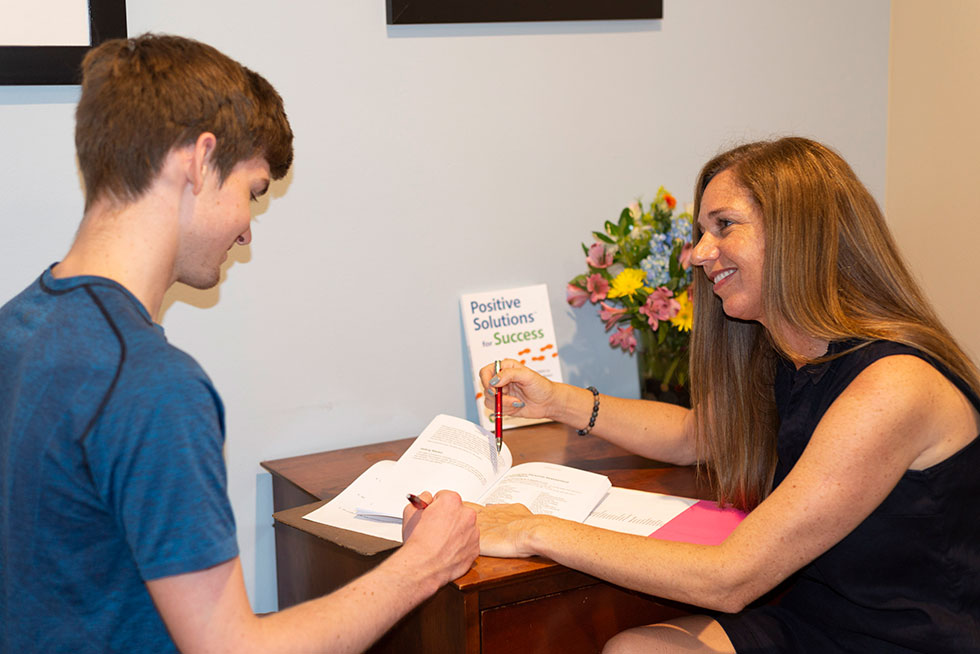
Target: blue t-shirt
(111,469)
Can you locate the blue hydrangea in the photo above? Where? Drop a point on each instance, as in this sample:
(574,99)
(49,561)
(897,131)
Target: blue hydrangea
(657,264)
(680,229)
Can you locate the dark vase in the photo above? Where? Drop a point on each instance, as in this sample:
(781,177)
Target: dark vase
(656,362)
(654,389)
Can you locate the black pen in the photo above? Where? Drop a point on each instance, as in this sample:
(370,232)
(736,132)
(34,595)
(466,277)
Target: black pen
(417,501)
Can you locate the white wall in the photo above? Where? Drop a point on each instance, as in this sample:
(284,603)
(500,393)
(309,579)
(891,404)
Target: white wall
(437,160)
(933,162)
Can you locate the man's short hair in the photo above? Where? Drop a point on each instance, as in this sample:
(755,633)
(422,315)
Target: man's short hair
(144,96)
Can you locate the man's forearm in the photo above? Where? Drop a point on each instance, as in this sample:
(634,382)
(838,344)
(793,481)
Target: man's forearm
(353,617)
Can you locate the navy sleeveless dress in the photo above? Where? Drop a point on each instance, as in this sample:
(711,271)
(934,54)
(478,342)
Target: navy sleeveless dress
(907,579)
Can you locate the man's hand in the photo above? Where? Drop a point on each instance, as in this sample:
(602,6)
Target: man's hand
(443,536)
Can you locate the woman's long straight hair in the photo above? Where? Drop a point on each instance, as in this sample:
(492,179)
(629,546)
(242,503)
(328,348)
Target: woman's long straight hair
(831,270)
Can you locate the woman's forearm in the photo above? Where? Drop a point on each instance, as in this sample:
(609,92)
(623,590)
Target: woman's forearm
(652,429)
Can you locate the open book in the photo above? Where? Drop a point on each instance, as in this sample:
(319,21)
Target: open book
(455,454)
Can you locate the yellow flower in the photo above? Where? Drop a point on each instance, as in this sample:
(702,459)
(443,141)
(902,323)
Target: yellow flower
(627,283)
(684,317)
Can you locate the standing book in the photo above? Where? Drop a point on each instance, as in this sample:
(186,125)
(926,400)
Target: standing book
(514,323)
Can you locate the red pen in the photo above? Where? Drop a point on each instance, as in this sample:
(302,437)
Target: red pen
(417,501)
(498,410)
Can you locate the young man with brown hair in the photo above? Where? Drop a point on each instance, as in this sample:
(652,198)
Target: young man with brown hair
(116,532)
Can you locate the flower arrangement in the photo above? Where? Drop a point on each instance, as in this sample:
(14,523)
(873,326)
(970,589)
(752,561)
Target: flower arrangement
(639,272)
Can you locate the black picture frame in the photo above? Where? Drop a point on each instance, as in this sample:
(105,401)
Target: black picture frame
(59,64)
(408,12)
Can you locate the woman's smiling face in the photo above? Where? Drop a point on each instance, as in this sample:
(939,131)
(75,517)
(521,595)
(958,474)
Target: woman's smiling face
(732,246)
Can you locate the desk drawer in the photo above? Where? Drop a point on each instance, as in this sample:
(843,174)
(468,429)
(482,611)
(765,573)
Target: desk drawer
(577,620)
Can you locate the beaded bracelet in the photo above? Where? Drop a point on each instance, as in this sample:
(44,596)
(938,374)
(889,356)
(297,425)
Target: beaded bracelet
(595,412)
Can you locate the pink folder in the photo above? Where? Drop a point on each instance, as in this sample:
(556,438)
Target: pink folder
(703,523)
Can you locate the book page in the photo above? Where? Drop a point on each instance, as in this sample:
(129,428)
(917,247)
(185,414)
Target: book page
(341,511)
(637,512)
(450,454)
(550,489)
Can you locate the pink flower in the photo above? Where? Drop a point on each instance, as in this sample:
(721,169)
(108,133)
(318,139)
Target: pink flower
(686,251)
(610,315)
(599,257)
(598,286)
(575,295)
(624,338)
(661,305)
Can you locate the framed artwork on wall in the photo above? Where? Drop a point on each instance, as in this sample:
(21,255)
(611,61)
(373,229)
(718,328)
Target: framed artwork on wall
(44,41)
(405,12)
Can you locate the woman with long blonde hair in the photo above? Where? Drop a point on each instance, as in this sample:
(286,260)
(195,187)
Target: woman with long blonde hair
(827,399)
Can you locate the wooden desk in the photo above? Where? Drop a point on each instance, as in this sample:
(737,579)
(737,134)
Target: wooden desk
(500,605)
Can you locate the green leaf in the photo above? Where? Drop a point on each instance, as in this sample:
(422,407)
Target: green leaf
(625,222)
(670,371)
(602,237)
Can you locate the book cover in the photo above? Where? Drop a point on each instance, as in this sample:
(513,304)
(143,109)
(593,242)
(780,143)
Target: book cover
(513,323)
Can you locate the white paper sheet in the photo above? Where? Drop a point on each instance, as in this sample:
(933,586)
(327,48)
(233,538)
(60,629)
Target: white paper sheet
(637,512)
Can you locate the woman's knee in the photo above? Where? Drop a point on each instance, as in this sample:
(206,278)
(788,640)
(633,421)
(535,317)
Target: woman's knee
(689,634)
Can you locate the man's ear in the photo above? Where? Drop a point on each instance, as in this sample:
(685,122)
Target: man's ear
(200,165)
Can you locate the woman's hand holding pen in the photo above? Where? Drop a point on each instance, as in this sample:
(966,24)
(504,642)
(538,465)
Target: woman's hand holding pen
(525,393)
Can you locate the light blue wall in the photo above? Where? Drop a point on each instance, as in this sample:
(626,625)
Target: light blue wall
(437,160)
